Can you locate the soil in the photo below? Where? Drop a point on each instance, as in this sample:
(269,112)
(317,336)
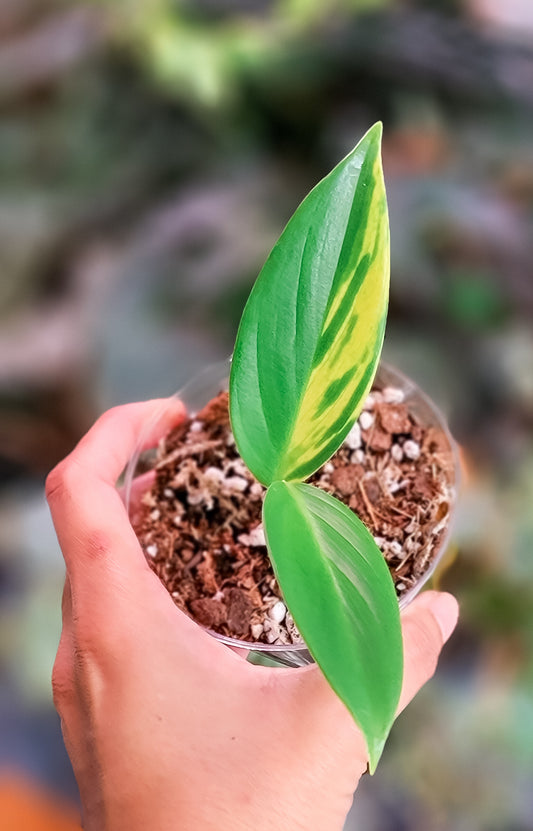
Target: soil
(200,524)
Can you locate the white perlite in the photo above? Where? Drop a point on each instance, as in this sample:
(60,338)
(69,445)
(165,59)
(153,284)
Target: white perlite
(393,395)
(271,630)
(196,498)
(239,468)
(372,399)
(254,539)
(277,612)
(256,490)
(151,550)
(214,475)
(196,427)
(236,483)
(411,449)
(256,630)
(396,452)
(353,439)
(366,420)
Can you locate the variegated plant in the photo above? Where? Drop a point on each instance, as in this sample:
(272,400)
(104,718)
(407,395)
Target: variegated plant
(306,353)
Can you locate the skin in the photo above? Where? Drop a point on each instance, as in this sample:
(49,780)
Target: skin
(166,727)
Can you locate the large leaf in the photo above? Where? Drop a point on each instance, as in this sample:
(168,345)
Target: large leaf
(340,592)
(311,333)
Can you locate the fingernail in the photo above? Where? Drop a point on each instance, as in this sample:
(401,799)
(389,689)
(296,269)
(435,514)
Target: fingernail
(445,610)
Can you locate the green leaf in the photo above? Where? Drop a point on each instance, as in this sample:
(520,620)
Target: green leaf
(312,330)
(339,590)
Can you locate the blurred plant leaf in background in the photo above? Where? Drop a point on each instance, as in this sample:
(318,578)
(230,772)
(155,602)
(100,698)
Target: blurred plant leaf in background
(473,299)
(202,53)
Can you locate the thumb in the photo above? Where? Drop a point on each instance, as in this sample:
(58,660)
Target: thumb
(427,624)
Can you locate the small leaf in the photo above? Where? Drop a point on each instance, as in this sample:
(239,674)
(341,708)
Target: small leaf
(339,590)
(312,330)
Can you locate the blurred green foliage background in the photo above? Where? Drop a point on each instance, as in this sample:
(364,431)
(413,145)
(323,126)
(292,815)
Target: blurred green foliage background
(150,153)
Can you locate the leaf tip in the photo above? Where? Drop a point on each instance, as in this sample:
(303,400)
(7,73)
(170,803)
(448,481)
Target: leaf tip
(375,749)
(375,133)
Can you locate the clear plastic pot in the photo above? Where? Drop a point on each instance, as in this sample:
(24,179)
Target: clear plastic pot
(205,386)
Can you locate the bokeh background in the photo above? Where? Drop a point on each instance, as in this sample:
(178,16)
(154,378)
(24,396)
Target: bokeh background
(150,153)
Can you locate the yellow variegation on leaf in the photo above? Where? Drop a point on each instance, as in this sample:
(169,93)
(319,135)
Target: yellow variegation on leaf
(311,333)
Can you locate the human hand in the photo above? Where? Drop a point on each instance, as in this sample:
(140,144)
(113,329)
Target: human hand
(165,726)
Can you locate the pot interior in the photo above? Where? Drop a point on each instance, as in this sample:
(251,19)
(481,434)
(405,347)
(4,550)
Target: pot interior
(197,393)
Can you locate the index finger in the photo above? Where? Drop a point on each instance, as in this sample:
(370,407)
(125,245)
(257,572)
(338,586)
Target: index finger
(89,516)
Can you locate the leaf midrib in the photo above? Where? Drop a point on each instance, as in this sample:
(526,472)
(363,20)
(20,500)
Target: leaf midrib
(317,532)
(290,433)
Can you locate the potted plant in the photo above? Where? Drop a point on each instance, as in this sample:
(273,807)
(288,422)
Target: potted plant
(230,487)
